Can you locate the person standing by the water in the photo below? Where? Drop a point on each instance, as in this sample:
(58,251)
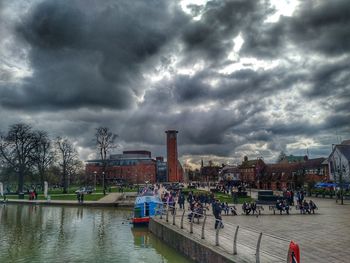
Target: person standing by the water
(78,197)
(82,198)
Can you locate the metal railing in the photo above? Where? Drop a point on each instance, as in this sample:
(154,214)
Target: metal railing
(234,239)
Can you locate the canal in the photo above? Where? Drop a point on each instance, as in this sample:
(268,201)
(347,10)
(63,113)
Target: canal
(30,233)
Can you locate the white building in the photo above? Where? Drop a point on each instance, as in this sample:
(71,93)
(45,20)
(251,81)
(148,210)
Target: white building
(339,162)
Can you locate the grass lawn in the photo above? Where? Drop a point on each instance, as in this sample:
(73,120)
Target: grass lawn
(73,197)
(221,196)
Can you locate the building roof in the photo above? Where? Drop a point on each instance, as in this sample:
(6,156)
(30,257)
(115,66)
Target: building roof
(314,163)
(346,142)
(345,150)
(259,164)
(294,159)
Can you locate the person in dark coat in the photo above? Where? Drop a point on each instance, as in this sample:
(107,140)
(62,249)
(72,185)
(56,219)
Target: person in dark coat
(217,213)
(181,201)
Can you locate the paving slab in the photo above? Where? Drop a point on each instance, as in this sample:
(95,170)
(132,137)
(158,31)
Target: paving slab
(322,237)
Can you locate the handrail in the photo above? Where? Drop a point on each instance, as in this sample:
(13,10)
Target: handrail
(182,219)
(203,226)
(257,253)
(274,249)
(191,223)
(167,214)
(219,226)
(174,214)
(235,241)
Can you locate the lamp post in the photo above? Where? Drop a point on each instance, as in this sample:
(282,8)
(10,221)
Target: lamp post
(103,183)
(95,173)
(340,173)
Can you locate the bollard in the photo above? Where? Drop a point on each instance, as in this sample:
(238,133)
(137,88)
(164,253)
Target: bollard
(235,242)
(182,219)
(174,213)
(167,214)
(257,253)
(191,223)
(217,233)
(205,219)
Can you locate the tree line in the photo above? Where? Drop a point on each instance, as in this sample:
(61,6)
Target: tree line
(29,155)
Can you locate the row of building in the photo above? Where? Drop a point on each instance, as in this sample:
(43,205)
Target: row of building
(289,173)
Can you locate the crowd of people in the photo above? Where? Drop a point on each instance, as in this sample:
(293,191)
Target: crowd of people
(283,206)
(199,202)
(248,208)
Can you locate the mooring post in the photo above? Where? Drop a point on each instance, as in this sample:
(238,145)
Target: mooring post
(257,253)
(182,219)
(205,219)
(174,215)
(191,223)
(217,233)
(167,214)
(235,242)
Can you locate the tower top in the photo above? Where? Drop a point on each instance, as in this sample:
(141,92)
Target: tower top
(171,131)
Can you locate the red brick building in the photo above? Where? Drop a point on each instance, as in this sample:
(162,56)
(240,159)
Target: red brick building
(135,167)
(285,174)
(175,171)
(251,171)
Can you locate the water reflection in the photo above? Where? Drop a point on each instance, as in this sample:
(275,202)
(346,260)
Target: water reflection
(30,233)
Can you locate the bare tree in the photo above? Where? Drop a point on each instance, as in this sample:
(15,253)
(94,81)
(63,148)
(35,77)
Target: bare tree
(68,158)
(105,141)
(17,149)
(44,155)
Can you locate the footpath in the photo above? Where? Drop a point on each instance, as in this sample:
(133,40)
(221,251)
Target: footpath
(110,200)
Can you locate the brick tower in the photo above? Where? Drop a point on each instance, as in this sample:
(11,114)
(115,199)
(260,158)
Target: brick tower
(172,162)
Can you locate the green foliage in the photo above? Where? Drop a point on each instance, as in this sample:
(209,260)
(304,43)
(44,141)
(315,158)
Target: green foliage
(221,196)
(63,197)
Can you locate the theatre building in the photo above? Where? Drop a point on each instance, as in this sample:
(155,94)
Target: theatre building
(135,167)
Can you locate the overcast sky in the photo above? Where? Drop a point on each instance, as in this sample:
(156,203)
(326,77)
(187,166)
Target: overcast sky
(235,78)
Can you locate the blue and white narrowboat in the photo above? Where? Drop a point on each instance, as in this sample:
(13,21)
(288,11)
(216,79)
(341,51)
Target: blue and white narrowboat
(147,204)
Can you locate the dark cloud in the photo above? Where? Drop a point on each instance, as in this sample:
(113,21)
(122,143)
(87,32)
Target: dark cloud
(90,63)
(323,26)
(316,26)
(257,84)
(330,78)
(90,56)
(212,36)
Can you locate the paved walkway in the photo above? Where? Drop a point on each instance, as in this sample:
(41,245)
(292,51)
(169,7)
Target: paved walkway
(323,237)
(111,199)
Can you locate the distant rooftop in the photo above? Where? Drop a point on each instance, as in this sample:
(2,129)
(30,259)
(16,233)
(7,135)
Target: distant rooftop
(139,154)
(294,159)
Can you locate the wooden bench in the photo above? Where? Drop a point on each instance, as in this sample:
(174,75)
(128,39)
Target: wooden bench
(274,209)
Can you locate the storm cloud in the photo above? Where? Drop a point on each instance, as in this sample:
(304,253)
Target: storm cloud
(233,79)
(87,54)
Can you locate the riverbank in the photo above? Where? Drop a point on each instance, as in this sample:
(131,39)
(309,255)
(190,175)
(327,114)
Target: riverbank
(110,200)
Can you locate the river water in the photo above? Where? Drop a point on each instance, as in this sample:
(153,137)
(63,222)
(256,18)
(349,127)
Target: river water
(30,233)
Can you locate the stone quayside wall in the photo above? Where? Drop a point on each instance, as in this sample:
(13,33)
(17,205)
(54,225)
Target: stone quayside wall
(195,249)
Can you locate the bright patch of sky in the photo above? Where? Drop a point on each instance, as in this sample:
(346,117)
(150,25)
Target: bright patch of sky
(185,3)
(283,8)
(249,63)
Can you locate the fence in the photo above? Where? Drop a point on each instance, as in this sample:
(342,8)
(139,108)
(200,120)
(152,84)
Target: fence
(234,239)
